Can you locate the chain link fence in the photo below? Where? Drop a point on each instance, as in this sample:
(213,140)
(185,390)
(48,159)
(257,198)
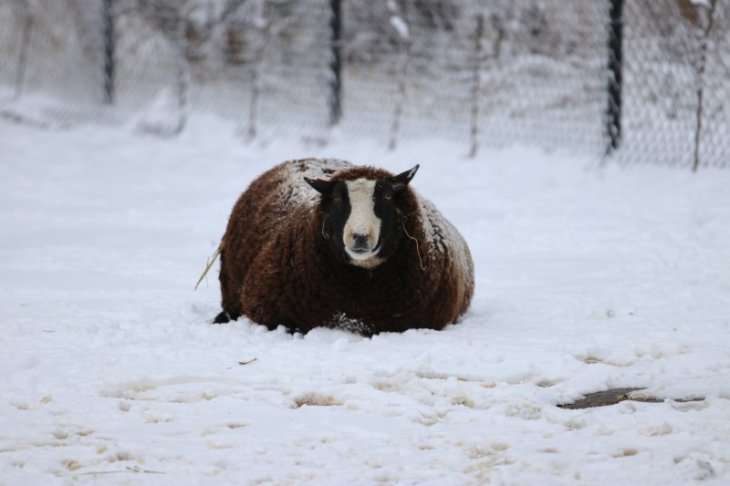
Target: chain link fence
(640,81)
(676,106)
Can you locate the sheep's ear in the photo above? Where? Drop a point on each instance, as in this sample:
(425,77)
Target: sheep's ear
(320,185)
(400,181)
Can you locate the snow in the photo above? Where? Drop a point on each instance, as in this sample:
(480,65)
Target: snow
(400,26)
(587,278)
(296,190)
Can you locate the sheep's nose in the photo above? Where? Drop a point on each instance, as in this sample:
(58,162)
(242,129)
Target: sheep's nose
(360,242)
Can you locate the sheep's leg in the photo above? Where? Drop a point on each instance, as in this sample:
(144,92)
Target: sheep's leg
(229,300)
(225,317)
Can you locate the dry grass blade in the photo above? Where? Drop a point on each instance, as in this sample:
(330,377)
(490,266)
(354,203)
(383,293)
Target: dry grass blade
(418,251)
(242,363)
(209,264)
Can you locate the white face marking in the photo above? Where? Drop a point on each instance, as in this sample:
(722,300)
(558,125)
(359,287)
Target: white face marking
(361,222)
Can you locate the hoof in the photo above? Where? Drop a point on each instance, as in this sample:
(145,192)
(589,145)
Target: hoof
(222,318)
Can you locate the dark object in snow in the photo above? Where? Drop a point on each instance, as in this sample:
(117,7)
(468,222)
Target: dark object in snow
(601,398)
(320,242)
(617,395)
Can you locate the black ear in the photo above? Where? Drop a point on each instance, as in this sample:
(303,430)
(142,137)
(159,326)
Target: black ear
(400,181)
(320,185)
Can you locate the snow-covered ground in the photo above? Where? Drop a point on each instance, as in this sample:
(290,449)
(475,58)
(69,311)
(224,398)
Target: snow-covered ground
(587,279)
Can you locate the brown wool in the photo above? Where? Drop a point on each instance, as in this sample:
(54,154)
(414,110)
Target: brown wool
(277,267)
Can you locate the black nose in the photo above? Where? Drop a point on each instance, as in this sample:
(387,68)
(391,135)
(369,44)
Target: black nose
(361,242)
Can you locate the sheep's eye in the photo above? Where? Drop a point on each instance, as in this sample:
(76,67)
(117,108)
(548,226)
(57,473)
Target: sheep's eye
(383,192)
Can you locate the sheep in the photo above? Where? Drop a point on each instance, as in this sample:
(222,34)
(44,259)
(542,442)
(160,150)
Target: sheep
(323,243)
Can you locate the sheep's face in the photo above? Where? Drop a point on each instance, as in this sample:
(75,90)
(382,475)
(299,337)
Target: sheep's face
(362,216)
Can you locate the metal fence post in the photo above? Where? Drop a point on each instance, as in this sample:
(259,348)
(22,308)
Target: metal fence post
(615,79)
(108,40)
(335,96)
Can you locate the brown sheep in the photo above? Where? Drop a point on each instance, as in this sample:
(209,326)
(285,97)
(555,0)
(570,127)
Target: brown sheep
(320,242)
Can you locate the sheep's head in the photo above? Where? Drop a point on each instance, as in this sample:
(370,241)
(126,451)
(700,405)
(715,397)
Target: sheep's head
(361,208)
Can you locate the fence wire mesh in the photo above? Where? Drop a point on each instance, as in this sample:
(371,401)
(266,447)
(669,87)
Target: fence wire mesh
(676,52)
(650,87)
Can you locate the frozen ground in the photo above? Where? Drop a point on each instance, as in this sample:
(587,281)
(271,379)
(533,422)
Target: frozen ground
(587,279)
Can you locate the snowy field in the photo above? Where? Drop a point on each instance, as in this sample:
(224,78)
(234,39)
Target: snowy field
(587,279)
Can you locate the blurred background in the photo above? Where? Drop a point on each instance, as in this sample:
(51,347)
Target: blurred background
(636,81)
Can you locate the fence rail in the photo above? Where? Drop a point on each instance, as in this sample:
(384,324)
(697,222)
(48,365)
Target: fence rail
(641,81)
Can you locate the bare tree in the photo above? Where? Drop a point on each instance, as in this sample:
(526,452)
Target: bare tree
(25,44)
(707,7)
(476,84)
(478,64)
(170,19)
(399,22)
(261,23)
